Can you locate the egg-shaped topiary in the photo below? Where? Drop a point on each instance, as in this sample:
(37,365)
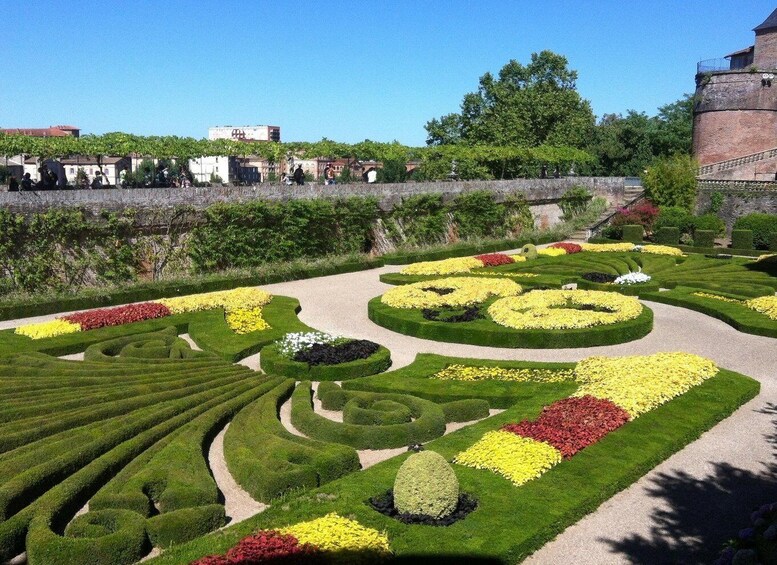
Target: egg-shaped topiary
(529,251)
(426,485)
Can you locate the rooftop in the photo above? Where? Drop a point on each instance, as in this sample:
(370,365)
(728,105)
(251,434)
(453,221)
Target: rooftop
(769,23)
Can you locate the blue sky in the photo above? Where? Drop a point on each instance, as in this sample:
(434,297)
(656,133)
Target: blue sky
(348,70)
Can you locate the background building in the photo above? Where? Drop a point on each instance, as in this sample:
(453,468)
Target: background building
(245,133)
(735,112)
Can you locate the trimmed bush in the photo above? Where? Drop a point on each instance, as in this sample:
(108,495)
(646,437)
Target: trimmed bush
(185,524)
(763,227)
(426,485)
(709,222)
(274,363)
(773,242)
(668,235)
(529,251)
(742,239)
(465,410)
(633,233)
(704,238)
(428,422)
(375,412)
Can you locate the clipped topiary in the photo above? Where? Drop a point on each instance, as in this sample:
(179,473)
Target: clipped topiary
(529,251)
(426,485)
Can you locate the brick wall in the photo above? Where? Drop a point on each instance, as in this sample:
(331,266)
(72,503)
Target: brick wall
(735,115)
(765,56)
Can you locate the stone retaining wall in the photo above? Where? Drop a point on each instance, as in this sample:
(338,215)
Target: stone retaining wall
(536,191)
(739,199)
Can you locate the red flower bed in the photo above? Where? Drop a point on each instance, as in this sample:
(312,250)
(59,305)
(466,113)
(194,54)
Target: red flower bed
(494,259)
(571,424)
(116,316)
(568,247)
(267,546)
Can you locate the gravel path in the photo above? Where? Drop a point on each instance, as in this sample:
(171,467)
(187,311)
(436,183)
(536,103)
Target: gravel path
(682,510)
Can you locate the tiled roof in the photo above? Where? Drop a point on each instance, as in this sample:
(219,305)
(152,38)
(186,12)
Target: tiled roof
(769,23)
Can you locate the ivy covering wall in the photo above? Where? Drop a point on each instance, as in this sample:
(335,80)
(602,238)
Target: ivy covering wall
(68,249)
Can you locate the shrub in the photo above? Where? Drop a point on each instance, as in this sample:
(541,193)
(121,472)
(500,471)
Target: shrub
(668,235)
(704,238)
(529,251)
(567,246)
(574,202)
(643,214)
(375,412)
(495,259)
(709,222)
(763,226)
(426,485)
(773,242)
(742,239)
(671,181)
(674,217)
(633,233)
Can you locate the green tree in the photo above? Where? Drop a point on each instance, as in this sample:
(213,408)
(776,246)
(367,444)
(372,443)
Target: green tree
(671,181)
(392,171)
(527,105)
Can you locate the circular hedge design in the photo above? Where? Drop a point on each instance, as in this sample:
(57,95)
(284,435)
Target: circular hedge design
(451,292)
(487,332)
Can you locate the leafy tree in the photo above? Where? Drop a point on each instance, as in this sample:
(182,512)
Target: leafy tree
(671,181)
(527,106)
(392,171)
(674,127)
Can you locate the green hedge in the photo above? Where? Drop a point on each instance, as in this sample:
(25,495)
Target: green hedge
(739,317)
(742,239)
(428,422)
(466,410)
(704,238)
(486,332)
(269,461)
(274,363)
(163,289)
(367,412)
(633,233)
(667,235)
(627,289)
(763,226)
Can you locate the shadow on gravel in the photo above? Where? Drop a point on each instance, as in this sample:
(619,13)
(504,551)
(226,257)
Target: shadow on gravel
(701,514)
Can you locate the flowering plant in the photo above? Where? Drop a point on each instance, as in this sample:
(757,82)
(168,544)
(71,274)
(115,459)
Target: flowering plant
(632,278)
(571,424)
(103,317)
(516,458)
(607,247)
(640,383)
(246,320)
(292,343)
(43,330)
(494,259)
(265,546)
(661,250)
(567,246)
(333,533)
(552,251)
(556,309)
(457,265)
(766,305)
(457,372)
(452,292)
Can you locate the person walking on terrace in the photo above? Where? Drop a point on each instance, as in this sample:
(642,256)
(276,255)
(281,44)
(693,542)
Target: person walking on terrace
(299,176)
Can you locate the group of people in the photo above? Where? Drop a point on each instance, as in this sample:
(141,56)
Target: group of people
(330,176)
(50,180)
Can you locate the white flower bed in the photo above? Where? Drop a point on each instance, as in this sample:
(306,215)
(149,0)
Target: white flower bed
(632,278)
(292,343)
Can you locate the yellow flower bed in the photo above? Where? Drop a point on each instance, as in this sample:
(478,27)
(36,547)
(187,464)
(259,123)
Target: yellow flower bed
(518,258)
(457,372)
(661,250)
(716,297)
(640,383)
(246,320)
(511,275)
(466,291)
(516,458)
(454,266)
(333,533)
(42,330)
(764,257)
(551,251)
(607,247)
(555,309)
(238,298)
(765,305)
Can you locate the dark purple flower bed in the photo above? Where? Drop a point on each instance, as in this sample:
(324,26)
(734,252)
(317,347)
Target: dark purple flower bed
(384,504)
(327,354)
(600,277)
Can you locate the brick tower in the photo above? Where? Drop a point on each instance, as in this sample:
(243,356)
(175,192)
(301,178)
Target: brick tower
(735,114)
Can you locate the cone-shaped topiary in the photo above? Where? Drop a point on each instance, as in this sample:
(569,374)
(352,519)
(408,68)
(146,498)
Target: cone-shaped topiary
(529,251)
(426,485)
